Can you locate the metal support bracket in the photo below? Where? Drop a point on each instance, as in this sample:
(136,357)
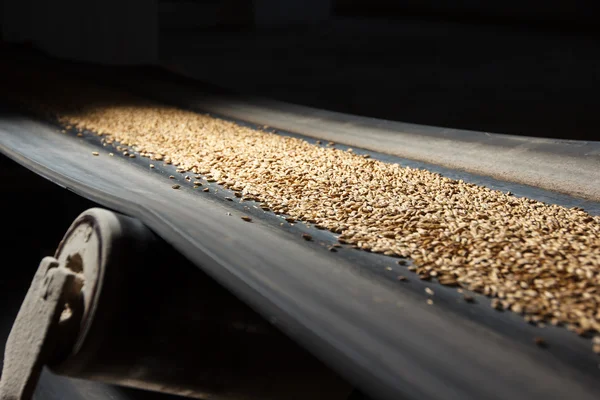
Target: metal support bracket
(47,307)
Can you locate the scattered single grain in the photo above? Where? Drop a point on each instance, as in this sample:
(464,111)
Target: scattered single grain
(497,305)
(448,280)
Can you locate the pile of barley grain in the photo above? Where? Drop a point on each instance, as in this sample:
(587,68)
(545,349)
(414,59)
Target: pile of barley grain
(536,259)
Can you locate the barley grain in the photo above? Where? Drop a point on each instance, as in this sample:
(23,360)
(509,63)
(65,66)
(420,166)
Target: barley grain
(541,260)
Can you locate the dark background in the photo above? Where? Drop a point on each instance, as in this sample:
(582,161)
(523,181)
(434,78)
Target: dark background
(528,67)
(521,67)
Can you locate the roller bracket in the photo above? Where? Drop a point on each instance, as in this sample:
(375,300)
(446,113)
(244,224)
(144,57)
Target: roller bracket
(48,309)
(118,305)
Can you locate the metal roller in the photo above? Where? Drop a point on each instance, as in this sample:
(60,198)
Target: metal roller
(118,305)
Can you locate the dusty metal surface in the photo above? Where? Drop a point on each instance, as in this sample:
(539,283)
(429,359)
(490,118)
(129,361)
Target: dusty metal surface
(35,333)
(345,306)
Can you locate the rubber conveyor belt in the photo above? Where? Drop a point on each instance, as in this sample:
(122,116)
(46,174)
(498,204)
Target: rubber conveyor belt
(379,334)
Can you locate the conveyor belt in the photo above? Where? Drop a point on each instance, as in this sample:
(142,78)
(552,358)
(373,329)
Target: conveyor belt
(344,307)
